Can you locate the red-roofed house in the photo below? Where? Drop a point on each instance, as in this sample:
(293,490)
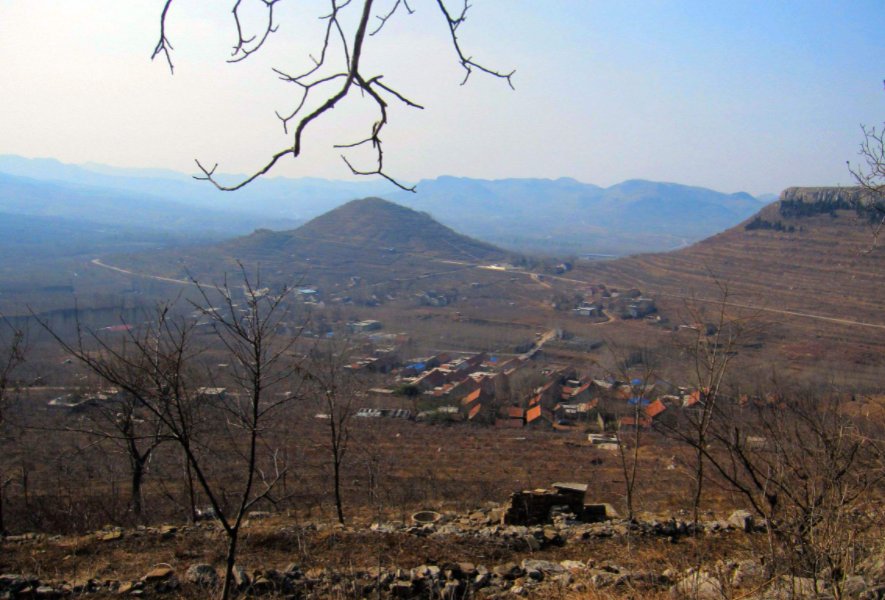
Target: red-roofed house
(533,413)
(537,416)
(431,379)
(514,412)
(471,398)
(655,408)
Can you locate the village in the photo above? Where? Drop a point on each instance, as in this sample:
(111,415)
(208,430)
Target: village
(518,392)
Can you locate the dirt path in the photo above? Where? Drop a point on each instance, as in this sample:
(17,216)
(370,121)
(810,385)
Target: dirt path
(97,262)
(779,311)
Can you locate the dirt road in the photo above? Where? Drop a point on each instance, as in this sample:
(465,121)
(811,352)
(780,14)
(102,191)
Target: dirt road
(97,262)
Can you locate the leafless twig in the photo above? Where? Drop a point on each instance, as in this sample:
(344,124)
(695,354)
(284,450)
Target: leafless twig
(332,82)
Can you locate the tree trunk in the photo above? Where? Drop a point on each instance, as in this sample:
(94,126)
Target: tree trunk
(338,503)
(191,496)
(137,479)
(233,535)
(2,495)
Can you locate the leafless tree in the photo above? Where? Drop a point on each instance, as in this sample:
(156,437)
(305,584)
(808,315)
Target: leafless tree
(337,72)
(870,174)
(13,344)
(119,418)
(336,388)
(810,472)
(638,369)
(224,435)
(711,345)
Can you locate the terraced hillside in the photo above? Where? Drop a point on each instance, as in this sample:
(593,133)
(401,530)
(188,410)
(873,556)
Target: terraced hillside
(806,253)
(808,264)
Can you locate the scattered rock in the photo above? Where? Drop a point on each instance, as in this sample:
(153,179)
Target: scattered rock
(109,536)
(741,520)
(47,591)
(573,566)
(167,531)
(203,575)
(160,573)
(241,578)
(402,589)
(697,586)
(509,571)
(746,572)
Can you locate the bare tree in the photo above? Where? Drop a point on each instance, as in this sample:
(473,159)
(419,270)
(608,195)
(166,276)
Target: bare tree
(225,436)
(335,387)
(638,369)
(13,343)
(870,175)
(119,418)
(337,72)
(711,347)
(810,472)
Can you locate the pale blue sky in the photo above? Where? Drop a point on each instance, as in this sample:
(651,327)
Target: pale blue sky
(753,96)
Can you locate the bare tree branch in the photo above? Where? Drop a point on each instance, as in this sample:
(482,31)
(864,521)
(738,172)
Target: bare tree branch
(163,45)
(332,83)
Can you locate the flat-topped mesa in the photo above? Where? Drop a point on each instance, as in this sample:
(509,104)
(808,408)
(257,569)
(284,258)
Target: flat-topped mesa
(801,202)
(848,196)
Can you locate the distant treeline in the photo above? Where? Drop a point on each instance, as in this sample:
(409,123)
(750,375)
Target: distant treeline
(798,208)
(760,223)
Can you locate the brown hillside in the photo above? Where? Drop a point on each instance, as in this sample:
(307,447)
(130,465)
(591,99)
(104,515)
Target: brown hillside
(371,238)
(369,225)
(808,263)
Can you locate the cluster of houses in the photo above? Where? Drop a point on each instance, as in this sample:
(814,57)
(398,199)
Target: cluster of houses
(600,302)
(517,393)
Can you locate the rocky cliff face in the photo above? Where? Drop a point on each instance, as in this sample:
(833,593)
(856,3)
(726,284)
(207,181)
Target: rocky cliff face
(826,195)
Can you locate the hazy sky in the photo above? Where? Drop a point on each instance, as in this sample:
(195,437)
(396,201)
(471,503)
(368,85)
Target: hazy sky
(753,96)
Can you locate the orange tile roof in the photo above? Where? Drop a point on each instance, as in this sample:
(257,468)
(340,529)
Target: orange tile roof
(655,408)
(474,411)
(471,397)
(533,413)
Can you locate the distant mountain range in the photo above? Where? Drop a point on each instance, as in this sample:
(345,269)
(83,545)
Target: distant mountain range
(560,216)
(569,217)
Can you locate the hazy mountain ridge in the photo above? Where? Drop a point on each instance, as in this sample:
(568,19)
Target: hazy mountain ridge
(632,216)
(119,208)
(556,216)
